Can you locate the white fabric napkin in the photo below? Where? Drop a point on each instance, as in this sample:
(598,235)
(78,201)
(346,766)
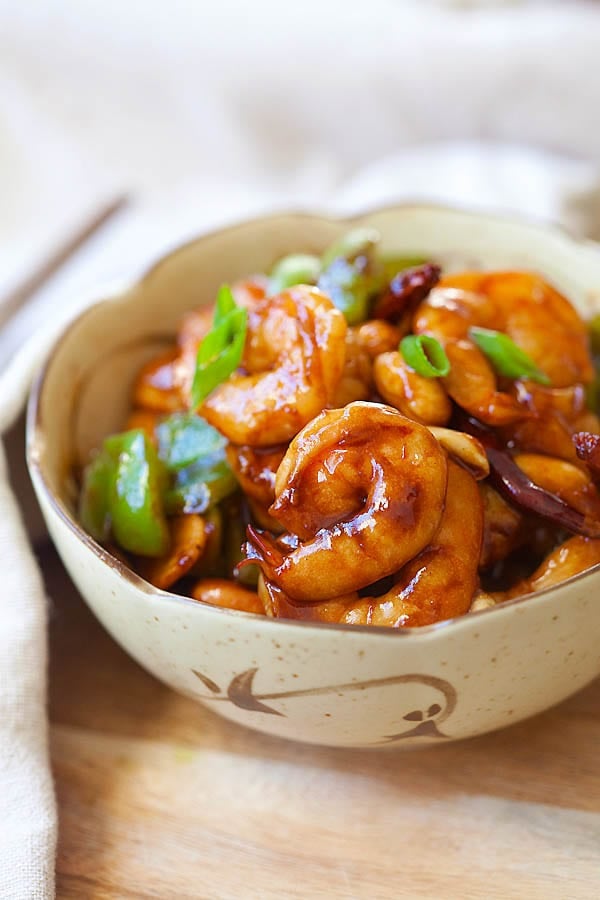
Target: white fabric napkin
(270,122)
(27,814)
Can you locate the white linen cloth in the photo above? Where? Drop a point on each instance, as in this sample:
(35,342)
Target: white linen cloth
(272,111)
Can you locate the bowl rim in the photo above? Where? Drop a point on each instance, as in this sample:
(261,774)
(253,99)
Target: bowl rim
(118,292)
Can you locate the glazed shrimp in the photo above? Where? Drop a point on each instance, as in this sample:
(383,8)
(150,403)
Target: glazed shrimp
(221,592)
(377,336)
(574,556)
(422,399)
(278,606)
(567,481)
(503,527)
(188,542)
(520,300)
(294,357)
(255,469)
(363,489)
(159,386)
(557,414)
(356,382)
(471,382)
(439,583)
(513,303)
(146,419)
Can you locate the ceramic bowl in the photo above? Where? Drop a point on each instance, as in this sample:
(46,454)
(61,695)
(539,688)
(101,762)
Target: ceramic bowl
(326,684)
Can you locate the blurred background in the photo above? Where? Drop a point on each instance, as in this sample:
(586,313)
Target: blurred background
(203,112)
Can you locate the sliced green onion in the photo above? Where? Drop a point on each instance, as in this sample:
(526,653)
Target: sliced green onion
(225,304)
(221,351)
(425,355)
(297,268)
(358,242)
(506,358)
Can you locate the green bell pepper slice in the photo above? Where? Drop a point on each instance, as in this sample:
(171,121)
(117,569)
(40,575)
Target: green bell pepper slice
(353,244)
(135,498)
(94,498)
(351,273)
(349,288)
(297,268)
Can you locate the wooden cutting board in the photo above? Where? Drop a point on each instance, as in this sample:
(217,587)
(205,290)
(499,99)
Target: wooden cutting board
(160,798)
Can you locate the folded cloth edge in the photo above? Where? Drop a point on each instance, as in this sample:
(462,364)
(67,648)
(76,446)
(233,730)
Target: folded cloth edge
(28,815)
(28,820)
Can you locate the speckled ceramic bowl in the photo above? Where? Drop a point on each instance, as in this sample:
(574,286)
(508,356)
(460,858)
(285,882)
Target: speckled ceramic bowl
(327,684)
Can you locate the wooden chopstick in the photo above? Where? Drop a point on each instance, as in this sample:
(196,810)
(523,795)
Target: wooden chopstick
(20,296)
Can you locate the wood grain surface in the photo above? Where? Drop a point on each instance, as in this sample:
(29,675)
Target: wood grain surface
(160,798)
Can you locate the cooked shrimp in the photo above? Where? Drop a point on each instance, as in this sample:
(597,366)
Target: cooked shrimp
(556,414)
(574,556)
(255,469)
(188,541)
(503,527)
(377,336)
(159,384)
(363,489)
(262,517)
(145,419)
(221,592)
(278,606)
(422,399)
(516,303)
(567,481)
(356,382)
(513,303)
(294,355)
(471,382)
(439,583)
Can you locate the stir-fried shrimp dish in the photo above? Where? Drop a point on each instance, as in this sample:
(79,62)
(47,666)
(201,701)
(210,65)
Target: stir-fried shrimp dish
(362,440)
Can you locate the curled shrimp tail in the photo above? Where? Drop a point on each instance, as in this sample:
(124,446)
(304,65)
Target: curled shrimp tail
(261,549)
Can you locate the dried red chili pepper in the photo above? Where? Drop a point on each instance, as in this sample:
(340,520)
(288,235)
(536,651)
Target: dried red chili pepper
(514,485)
(406,290)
